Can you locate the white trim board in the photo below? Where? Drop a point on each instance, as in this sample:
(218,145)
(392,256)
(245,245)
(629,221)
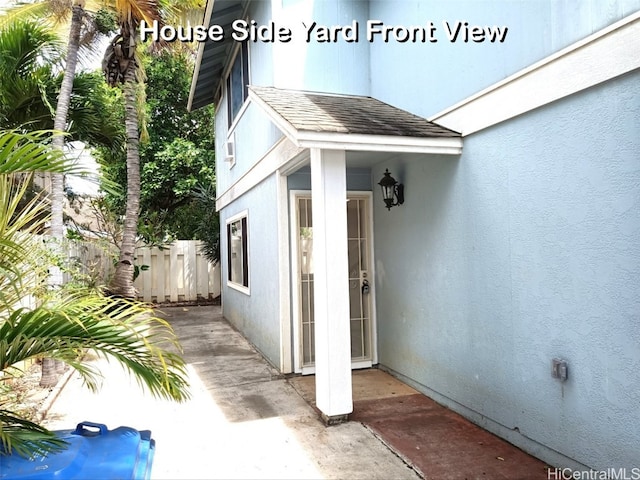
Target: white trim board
(380,143)
(294,268)
(199,55)
(609,53)
(276,158)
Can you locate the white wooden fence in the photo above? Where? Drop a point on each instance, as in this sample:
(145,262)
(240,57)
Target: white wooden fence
(178,273)
(92,260)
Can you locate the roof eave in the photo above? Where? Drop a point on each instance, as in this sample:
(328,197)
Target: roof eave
(229,10)
(196,69)
(358,142)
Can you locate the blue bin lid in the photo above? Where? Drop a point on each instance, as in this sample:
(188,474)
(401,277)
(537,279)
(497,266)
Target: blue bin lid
(93,452)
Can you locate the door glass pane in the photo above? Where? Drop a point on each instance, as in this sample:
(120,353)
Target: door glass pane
(355,304)
(303,221)
(354,259)
(366,337)
(352,219)
(364,216)
(309,213)
(357,349)
(308,344)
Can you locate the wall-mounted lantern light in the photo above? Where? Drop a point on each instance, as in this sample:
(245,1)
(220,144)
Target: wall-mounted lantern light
(392,191)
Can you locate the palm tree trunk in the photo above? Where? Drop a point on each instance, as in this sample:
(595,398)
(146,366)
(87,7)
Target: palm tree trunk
(49,375)
(122,282)
(60,125)
(51,368)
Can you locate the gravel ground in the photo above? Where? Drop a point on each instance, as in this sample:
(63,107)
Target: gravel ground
(27,398)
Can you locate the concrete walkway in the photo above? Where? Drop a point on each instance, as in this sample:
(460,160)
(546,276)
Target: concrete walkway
(243,421)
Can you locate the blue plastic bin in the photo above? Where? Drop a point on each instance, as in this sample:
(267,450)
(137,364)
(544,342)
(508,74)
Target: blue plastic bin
(94,452)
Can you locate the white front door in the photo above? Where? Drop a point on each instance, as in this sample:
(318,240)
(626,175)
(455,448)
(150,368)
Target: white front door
(360,281)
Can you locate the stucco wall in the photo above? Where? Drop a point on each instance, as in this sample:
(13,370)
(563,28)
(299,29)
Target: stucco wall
(435,76)
(357,179)
(525,249)
(256,314)
(336,67)
(253,136)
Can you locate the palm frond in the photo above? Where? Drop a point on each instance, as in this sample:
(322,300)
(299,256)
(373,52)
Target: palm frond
(25,438)
(25,12)
(27,152)
(26,45)
(114,328)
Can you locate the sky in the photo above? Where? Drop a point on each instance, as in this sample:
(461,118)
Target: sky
(84,160)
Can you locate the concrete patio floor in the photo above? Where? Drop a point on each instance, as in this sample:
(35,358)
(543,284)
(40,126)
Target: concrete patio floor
(435,441)
(245,420)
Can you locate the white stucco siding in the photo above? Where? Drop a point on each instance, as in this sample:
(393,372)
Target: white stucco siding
(523,250)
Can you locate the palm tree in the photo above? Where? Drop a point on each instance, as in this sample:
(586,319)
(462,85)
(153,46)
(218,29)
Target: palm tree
(60,125)
(56,229)
(58,10)
(121,66)
(30,55)
(30,60)
(67,321)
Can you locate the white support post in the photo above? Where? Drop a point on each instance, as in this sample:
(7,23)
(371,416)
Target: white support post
(331,285)
(283,273)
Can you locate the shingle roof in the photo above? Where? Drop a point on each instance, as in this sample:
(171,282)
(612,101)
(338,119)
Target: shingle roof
(327,113)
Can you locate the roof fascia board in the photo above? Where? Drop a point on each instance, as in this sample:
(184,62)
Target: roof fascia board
(604,55)
(380,143)
(242,7)
(196,69)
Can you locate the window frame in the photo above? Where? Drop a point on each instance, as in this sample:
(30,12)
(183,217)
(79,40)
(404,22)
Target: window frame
(244,284)
(241,55)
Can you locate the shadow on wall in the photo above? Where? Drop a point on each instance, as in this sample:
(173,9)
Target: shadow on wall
(418,253)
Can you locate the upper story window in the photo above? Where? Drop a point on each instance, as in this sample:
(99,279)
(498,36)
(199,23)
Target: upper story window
(238,82)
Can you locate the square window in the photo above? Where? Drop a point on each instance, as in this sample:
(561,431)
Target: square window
(237,251)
